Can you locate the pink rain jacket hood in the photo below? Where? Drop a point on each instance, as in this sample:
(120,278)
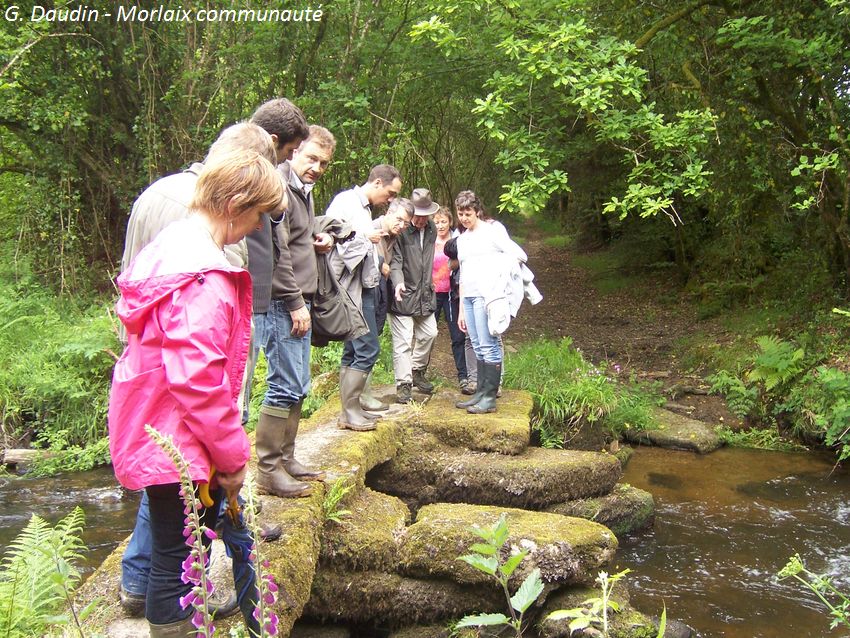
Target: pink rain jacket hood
(188,318)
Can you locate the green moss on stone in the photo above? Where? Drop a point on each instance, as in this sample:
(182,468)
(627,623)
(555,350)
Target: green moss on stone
(628,623)
(369,537)
(567,550)
(623,511)
(394,601)
(677,432)
(507,431)
(433,472)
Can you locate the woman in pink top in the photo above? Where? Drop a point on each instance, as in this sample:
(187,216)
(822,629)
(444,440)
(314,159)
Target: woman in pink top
(446,288)
(188,317)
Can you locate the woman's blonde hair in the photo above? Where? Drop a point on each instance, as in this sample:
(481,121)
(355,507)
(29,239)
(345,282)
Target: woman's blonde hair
(241,177)
(447,213)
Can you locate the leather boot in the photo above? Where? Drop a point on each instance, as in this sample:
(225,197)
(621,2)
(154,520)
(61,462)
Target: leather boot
(351,384)
(421,383)
(479,389)
(368,402)
(270,436)
(492,373)
(180,629)
(292,466)
(402,393)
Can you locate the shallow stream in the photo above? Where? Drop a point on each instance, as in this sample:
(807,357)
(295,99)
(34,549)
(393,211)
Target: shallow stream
(725,524)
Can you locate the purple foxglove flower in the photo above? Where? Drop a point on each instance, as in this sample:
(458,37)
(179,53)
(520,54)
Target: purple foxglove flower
(210,533)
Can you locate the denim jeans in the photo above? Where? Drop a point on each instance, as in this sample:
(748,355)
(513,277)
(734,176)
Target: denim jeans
(136,561)
(361,354)
(486,346)
(168,551)
(288,357)
(449,305)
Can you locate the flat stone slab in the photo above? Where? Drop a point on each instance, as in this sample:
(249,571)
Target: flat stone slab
(565,549)
(677,432)
(506,431)
(627,623)
(311,630)
(369,538)
(394,601)
(344,453)
(429,471)
(626,509)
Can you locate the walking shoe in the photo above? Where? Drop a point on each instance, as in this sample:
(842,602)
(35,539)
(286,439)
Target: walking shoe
(402,393)
(133,604)
(466,387)
(421,383)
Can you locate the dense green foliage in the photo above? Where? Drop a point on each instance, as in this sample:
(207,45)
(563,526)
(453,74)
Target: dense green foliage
(38,576)
(570,393)
(708,139)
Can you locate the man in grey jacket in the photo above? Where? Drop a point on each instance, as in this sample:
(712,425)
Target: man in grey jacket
(412,307)
(283,332)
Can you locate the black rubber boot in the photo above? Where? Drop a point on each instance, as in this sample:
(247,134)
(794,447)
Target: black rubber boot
(479,390)
(487,403)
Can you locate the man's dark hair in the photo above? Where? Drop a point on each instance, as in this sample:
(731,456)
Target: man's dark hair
(282,118)
(384,172)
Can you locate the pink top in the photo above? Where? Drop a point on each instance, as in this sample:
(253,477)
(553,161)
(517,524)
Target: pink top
(441,274)
(188,318)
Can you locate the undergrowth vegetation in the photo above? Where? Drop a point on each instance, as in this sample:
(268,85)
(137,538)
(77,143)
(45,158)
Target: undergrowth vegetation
(570,392)
(56,358)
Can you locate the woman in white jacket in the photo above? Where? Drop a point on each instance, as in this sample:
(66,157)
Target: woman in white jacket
(484,250)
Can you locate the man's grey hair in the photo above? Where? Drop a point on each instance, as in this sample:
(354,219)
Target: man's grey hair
(401,202)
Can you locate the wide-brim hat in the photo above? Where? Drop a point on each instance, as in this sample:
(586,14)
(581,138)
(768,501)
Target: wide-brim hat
(423,205)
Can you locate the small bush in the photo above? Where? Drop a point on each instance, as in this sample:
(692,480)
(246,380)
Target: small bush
(568,391)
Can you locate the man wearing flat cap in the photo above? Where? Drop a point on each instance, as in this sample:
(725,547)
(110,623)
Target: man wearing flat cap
(412,307)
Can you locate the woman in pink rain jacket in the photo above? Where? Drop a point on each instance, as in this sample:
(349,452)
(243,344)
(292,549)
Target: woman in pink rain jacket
(188,317)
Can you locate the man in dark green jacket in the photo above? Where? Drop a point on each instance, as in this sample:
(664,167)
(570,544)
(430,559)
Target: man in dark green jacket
(411,311)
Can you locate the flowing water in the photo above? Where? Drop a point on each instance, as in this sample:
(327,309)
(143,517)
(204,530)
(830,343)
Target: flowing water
(726,523)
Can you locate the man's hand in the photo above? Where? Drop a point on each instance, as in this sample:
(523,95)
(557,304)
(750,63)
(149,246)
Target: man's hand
(232,481)
(300,321)
(323,243)
(375,236)
(398,290)
(385,269)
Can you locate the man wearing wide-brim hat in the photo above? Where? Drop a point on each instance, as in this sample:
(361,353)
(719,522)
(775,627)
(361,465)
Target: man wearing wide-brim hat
(411,312)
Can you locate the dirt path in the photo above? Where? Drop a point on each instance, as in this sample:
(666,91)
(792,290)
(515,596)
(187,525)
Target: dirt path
(632,328)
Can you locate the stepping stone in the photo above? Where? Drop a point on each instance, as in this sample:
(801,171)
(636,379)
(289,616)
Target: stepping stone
(627,623)
(565,549)
(393,600)
(677,432)
(626,509)
(428,471)
(369,538)
(345,453)
(506,431)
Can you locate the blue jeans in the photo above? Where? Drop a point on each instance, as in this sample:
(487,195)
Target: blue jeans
(361,354)
(136,561)
(288,357)
(448,304)
(486,346)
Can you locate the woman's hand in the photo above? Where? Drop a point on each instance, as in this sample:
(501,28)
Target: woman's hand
(232,481)
(461,322)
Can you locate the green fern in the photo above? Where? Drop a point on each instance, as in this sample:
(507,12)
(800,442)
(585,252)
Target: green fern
(741,398)
(777,363)
(38,574)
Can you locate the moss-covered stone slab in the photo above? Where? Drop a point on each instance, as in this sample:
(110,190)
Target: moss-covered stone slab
(394,601)
(507,431)
(565,549)
(370,536)
(431,471)
(625,510)
(440,631)
(303,629)
(344,453)
(677,432)
(628,623)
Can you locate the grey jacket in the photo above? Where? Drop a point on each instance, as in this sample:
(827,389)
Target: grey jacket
(412,264)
